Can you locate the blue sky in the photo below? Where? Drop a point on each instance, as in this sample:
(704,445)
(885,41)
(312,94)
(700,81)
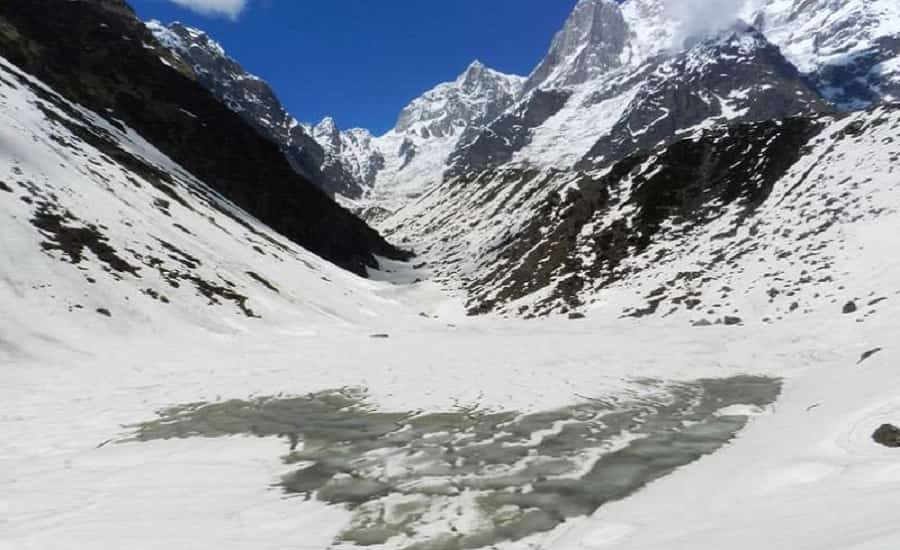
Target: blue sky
(361,61)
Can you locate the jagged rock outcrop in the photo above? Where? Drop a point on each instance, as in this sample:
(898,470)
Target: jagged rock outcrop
(591,43)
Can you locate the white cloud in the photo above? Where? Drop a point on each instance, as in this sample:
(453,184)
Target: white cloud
(699,18)
(224,8)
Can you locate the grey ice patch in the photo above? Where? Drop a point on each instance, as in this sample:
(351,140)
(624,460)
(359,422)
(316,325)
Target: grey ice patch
(477,477)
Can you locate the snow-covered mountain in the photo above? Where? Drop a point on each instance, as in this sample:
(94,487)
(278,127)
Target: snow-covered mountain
(732,77)
(849,48)
(351,163)
(107,230)
(620,79)
(672,228)
(432,126)
(353,150)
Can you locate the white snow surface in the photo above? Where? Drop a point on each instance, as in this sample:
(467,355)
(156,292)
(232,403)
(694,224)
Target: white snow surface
(825,32)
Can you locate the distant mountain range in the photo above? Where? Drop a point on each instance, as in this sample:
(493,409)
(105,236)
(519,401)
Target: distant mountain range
(613,81)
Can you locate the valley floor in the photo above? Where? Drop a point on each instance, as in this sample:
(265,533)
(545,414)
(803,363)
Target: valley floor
(805,474)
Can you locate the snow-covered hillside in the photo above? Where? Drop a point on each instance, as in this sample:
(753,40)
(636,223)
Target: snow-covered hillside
(109,234)
(683,229)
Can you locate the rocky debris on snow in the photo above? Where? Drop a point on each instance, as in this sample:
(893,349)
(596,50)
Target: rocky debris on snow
(869,354)
(887,435)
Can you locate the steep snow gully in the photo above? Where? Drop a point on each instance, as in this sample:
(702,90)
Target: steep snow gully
(684,341)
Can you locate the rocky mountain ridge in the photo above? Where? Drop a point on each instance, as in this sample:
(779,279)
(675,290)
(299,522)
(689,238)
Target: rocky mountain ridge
(256,102)
(834,55)
(101,57)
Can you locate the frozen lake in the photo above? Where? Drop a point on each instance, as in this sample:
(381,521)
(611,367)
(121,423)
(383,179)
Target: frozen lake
(471,477)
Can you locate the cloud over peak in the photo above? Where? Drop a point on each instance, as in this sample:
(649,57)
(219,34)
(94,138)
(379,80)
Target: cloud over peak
(221,8)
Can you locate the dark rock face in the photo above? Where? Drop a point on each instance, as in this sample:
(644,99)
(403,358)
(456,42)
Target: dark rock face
(857,84)
(687,184)
(255,101)
(850,307)
(887,435)
(98,54)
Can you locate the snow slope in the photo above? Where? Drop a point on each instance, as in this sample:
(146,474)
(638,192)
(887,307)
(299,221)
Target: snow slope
(106,221)
(749,221)
(807,476)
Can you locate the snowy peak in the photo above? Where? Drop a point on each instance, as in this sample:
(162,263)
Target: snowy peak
(182,38)
(353,150)
(473,73)
(591,42)
(650,28)
(736,76)
(478,79)
(478,95)
(327,134)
